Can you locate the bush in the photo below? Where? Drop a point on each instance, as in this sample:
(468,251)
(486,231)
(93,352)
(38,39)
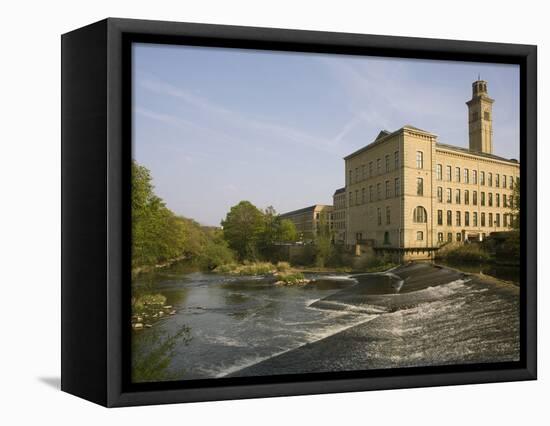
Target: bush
(292,278)
(470,253)
(283,266)
(249,268)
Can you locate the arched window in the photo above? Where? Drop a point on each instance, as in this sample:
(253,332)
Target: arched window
(420,215)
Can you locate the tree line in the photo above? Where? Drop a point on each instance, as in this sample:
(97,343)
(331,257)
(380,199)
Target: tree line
(159,235)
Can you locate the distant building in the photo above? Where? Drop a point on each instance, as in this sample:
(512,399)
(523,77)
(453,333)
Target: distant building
(309,219)
(408,193)
(339,216)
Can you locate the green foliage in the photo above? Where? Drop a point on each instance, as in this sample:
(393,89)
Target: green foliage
(215,252)
(159,236)
(283,266)
(248,268)
(292,278)
(515,205)
(153,365)
(323,243)
(508,251)
(242,228)
(468,253)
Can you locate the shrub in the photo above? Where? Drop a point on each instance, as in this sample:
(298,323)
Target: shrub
(470,253)
(292,278)
(283,266)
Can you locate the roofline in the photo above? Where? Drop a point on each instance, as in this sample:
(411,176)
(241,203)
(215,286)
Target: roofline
(305,209)
(384,138)
(484,155)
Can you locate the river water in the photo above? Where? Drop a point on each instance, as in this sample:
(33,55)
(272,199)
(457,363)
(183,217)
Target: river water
(239,326)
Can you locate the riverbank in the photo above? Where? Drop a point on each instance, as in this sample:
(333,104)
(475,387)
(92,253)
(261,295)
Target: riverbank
(440,316)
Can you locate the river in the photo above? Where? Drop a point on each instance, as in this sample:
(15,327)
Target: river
(243,326)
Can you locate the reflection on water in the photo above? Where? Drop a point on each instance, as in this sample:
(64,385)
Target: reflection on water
(242,325)
(502,272)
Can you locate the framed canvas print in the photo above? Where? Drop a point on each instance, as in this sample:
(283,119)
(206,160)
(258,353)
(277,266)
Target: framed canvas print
(252,212)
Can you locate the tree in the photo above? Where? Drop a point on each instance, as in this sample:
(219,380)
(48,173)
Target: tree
(515,205)
(323,242)
(242,229)
(287,231)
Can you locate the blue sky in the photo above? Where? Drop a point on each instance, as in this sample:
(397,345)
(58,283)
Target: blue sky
(216,126)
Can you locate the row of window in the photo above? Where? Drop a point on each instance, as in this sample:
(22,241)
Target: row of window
(485,199)
(362,196)
(466,177)
(492,220)
(374,168)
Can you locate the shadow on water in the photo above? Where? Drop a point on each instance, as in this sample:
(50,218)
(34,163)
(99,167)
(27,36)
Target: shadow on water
(502,272)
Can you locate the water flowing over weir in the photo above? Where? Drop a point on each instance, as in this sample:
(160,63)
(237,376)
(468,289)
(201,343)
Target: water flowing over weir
(414,315)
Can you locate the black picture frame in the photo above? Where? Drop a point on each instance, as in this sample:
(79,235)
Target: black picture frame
(96,155)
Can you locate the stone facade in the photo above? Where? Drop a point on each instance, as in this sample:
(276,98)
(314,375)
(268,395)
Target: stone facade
(407,193)
(309,219)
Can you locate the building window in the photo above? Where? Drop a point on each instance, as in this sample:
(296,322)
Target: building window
(457,196)
(497,220)
(378,191)
(419,235)
(420,215)
(482,219)
(457,174)
(396,187)
(490,200)
(466,196)
(482,198)
(439,172)
(482,178)
(378,166)
(497,199)
(387,163)
(440,237)
(504,181)
(474,177)
(486,115)
(419,186)
(379,214)
(440,217)
(371,199)
(388,216)
(439,194)
(448,171)
(511,182)
(490,219)
(351,198)
(511,201)
(497,180)
(449,218)
(466,176)
(450,237)
(357,174)
(396,159)
(474,218)
(458,219)
(458,236)
(490,179)
(449,195)
(349,177)
(386,237)
(466,218)
(370,168)
(474,198)
(505,220)
(504,200)
(419,160)
(388,192)
(363,200)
